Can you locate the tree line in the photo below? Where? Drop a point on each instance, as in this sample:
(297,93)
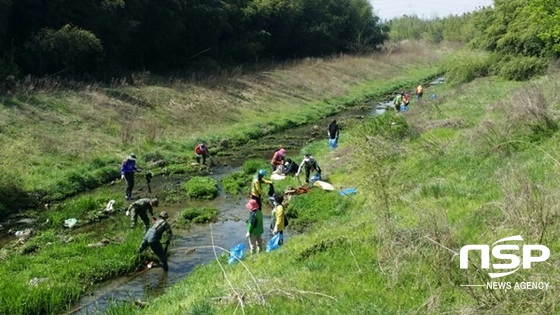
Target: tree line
(521,37)
(111,37)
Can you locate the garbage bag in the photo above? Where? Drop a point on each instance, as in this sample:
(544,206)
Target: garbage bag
(69,223)
(236,253)
(348,191)
(274,243)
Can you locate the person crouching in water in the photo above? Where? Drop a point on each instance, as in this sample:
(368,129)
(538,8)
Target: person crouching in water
(140,208)
(278,159)
(279,214)
(255,227)
(257,192)
(153,236)
(309,164)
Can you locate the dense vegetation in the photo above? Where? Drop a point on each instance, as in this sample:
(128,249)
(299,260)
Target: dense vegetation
(110,37)
(520,36)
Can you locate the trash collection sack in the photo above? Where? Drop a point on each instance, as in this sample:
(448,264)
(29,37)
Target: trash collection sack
(274,243)
(323,185)
(347,191)
(236,253)
(69,223)
(275,176)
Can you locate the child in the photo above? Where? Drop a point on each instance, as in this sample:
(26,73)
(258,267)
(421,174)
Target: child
(255,227)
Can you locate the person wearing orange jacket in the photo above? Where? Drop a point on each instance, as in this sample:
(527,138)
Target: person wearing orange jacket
(201,150)
(419,92)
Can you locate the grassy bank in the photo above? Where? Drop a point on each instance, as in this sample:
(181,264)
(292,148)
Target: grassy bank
(62,141)
(473,166)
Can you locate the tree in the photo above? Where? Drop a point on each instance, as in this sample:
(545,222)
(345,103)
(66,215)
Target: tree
(69,48)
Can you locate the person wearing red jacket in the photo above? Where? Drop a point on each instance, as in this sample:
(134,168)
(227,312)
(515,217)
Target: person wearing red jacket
(201,150)
(278,159)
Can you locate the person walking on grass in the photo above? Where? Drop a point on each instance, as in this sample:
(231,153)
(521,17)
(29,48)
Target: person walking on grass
(257,192)
(140,208)
(128,168)
(279,216)
(278,159)
(201,150)
(309,164)
(333,131)
(255,227)
(153,237)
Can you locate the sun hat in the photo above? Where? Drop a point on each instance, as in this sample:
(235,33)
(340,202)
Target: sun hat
(252,205)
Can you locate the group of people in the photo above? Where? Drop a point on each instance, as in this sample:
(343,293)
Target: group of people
(141,208)
(402,100)
(255,223)
(154,232)
(144,208)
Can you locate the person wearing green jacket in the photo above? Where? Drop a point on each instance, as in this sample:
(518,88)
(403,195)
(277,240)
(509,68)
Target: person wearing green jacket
(255,227)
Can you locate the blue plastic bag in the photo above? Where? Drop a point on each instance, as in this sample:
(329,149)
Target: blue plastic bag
(236,253)
(274,243)
(333,143)
(315,178)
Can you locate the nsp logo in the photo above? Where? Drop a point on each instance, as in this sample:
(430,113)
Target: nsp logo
(501,252)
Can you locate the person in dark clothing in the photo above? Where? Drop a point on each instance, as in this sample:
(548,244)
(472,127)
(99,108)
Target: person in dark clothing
(333,131)
(309,164)
(140,208)
(153,237)
(128,167)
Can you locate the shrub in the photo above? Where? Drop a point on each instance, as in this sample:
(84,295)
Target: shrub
(201,187)
(235,182)
(521,68)
(198,215)
(315,206)
(253,165)
(465,66)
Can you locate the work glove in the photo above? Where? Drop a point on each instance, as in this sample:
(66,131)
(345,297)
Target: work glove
(247,235)
(122,176)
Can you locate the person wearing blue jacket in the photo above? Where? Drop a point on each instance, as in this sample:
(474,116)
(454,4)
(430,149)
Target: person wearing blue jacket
(128,167)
